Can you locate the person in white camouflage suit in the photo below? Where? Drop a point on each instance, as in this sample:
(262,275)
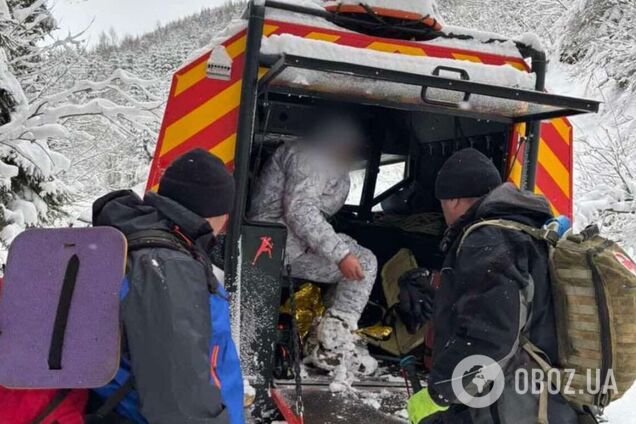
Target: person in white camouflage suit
(302,185)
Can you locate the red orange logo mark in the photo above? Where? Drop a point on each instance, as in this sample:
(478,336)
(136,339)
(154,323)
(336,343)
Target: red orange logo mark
(626,262)
(266,247)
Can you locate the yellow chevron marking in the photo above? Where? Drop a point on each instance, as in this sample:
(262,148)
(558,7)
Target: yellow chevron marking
(190,78)
(555,168)
(268,29)
(236,47)
(198,73)
(515,173)
(516,65)
(323,37)
(468,57)
(262,71)
(555,212)
(562,128)
(225,149)
(201,117)
(396,48)
(521,129)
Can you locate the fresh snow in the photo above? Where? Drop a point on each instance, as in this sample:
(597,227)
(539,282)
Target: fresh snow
(489,74)
(608,134)
(479,41)
(532,40)
(93,152)
(623,410)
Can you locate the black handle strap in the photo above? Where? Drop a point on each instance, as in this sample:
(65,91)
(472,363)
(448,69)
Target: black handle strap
(112,401)
(61,316)
(57,400)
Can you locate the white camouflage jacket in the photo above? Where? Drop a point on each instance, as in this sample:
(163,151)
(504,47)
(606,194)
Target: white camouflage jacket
(300,188)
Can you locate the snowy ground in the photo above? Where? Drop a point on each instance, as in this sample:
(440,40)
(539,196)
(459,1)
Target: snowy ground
(623,411)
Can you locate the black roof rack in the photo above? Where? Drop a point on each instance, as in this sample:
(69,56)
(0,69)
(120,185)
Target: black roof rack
(536,105)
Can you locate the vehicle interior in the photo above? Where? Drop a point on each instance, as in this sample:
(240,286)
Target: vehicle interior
(415,120)
(392,208)
(391,204)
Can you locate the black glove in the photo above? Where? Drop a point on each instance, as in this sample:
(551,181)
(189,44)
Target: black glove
(416,298)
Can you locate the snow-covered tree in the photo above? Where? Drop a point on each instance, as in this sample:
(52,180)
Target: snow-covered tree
(42,103)
(599,41)
(30,193)
(601,35)
(506,17)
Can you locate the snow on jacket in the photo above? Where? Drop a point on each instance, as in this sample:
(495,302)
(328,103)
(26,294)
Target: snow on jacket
(184,363)
(496,288)
(301,188)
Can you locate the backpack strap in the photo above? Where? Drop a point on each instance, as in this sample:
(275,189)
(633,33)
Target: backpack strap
(57,400)
(542,234)
(147,239)
(111,402)
(539,357)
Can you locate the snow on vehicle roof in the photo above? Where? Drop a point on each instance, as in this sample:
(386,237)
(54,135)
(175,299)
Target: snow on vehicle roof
(490,74)
(389,91)
(480,41)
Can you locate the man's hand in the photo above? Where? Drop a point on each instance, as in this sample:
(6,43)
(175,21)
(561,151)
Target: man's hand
(351,268)
(422,408)
(416,298)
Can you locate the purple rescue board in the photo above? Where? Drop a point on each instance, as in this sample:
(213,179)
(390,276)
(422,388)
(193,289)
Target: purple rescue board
(33,281)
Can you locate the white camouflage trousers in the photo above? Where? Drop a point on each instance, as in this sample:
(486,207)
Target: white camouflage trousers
(350,297)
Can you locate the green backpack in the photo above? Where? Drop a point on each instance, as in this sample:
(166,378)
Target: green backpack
(594,291)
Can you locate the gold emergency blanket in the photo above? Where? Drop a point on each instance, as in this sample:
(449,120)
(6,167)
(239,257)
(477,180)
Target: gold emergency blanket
(380,333)
(309,306)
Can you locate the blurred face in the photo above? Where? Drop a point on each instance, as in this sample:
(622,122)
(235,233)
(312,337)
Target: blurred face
(339,139)
(453,209)
(218,224)
(346,154)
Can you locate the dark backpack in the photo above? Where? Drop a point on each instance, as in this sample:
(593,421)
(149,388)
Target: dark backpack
(225,366)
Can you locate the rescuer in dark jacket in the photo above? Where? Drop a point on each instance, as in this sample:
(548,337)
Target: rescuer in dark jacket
(175,314)
(494,290)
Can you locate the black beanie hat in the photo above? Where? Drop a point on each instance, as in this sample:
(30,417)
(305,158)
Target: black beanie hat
(199,181)
(467,173)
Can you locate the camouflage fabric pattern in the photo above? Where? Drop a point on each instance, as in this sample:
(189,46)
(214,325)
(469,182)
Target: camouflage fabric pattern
(350,297)
(301,188)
